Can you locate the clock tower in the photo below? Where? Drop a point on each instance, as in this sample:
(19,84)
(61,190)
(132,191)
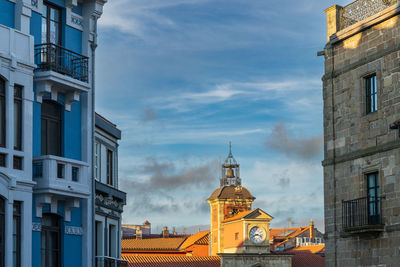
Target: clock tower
(227,201)
(238,233)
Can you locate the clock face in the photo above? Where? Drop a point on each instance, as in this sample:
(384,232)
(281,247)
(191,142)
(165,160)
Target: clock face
(257,235)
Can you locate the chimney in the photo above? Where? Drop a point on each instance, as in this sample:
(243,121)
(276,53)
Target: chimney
(333,20)
(165,232)
(312,234)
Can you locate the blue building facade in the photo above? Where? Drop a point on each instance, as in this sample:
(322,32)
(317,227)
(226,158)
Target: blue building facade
(47,132)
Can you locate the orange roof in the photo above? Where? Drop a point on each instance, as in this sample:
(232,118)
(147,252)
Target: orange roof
(201,237)
(172,261)
(286,234)
(308,260)
(152,243)
(238,216)
(315,249)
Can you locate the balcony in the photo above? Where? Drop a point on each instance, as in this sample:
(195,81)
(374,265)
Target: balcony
(60,178)
(51,57)
(104,261)
(362,215)
(109,197)
(60,70)
(16,47)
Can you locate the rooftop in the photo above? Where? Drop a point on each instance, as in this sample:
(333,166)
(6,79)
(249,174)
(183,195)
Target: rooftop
(200,238)
(152,244)
(314,249)
(231,192)
(172,261)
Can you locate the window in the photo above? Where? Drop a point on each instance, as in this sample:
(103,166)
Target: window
(51,24)
(97,161)
(374,209)
(50,241)
(17,234)
(299,241)
(17,163)
(111,240)
(2,160)
(51,128)
(2,113)
(18,117)
(60,171)
(371,94)
(75,174)
(236,236)
(109,167)
(2,230)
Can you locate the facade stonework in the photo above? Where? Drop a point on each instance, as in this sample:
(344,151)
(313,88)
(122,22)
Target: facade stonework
(358,143)
(256,260)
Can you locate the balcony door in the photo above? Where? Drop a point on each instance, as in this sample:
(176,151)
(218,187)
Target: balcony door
(51,123)
(50,248)
(374,209)
(51,24)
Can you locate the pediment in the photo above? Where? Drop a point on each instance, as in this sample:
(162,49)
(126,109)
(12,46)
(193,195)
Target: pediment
(258,214)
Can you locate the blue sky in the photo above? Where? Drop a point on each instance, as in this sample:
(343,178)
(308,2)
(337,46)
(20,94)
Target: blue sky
(181,78)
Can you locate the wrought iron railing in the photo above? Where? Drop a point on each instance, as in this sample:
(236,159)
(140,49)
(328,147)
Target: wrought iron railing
(104,261)
(361,212)
(59,59)
(362,9)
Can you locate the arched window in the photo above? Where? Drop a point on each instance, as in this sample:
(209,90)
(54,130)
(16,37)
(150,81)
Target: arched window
(2,231)
(50,245)
(51,128)
(2,113)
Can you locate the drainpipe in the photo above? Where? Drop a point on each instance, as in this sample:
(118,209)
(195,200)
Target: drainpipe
(93,46)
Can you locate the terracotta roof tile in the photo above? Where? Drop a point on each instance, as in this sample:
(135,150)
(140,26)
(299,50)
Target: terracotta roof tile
(172,261)
(193,239)
(308,260)
(315,249)
(229,192)
(238,216)
(298,231)
(152,243)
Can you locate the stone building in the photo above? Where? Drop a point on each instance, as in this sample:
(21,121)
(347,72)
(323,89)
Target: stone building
(109,200)
(361,144)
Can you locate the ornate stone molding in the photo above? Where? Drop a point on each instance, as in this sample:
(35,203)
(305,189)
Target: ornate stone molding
(74,20)
(362,9)
(36,227)
(73,230)
(108,203)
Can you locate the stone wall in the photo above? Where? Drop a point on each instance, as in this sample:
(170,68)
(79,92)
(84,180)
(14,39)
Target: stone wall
(255,260)
(356,143)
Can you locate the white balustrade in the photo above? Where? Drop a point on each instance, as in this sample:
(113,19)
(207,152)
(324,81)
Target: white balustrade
(63,176)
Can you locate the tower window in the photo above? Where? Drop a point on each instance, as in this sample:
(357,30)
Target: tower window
(371,94)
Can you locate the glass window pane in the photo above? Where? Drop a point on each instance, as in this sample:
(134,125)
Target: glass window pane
(54,14)
(2,121)
(54,32)
(17,124)
(44,30)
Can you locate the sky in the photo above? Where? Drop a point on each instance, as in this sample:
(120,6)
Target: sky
(182,78)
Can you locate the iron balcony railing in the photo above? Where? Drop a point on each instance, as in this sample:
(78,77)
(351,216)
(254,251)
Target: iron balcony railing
(105,261)
(361,212)
(52,57)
